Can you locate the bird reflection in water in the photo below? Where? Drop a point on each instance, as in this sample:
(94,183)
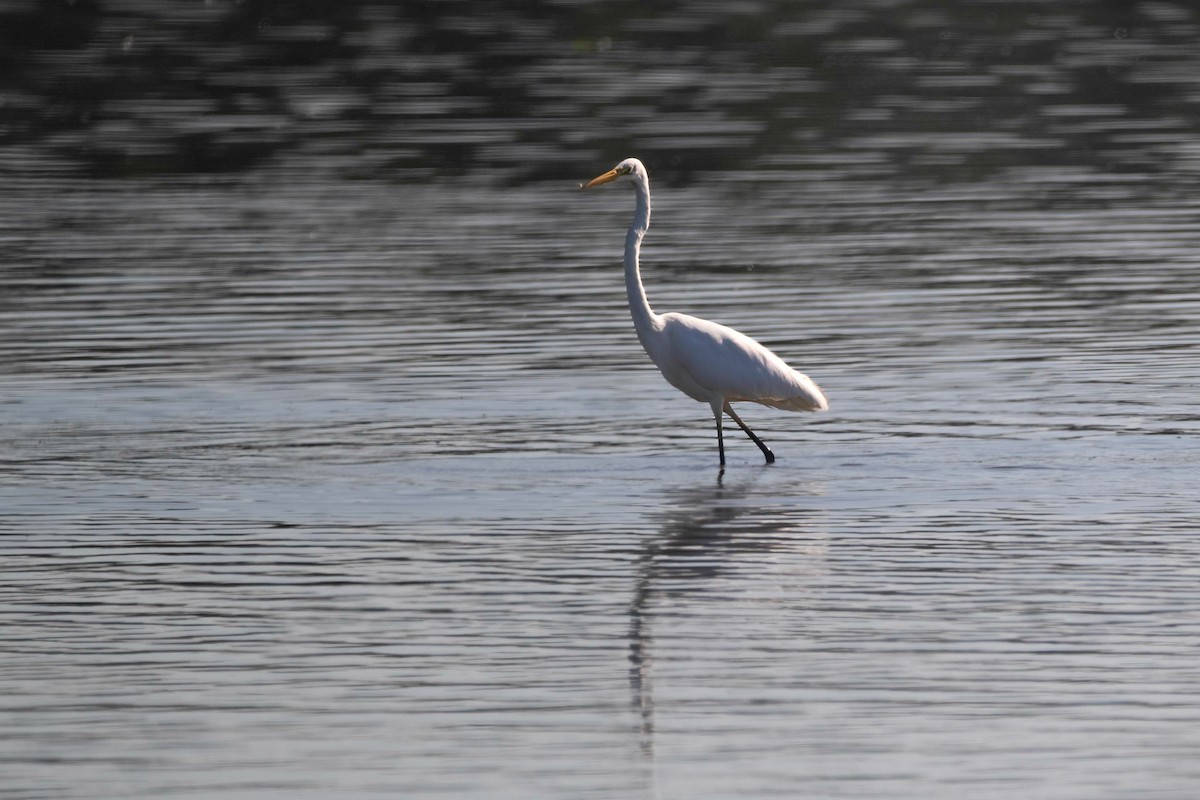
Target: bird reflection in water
(710,532)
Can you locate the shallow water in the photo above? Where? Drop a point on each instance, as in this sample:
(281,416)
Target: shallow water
(322,485)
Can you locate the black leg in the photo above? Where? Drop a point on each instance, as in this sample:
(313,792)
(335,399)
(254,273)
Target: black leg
(766,451)
(720,439)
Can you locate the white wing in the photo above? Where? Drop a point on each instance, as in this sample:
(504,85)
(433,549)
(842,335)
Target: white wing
(704,358)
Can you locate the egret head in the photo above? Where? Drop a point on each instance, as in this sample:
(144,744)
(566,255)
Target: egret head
(630,168)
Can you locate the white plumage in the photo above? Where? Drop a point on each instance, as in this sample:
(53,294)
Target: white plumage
(706,361)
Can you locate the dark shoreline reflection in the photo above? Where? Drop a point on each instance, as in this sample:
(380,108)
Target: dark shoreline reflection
(371,88)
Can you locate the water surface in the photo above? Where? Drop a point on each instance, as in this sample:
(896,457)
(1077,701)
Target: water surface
(323,478)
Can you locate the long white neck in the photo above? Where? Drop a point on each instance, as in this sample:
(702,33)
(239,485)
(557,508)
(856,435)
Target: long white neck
(644,318)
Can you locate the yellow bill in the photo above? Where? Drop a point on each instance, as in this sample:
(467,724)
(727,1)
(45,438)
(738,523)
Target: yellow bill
(607,177)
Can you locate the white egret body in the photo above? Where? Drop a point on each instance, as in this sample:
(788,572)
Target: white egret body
(706,361)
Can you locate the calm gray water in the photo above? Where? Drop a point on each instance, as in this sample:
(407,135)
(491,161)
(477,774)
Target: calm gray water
(328,479)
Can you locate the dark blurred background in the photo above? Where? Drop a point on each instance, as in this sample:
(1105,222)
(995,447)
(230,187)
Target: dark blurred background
(531,90)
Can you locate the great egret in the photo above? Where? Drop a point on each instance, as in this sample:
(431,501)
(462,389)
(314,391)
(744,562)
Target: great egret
(706,361)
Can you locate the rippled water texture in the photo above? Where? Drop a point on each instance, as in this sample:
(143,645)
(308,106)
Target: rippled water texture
(332,466)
